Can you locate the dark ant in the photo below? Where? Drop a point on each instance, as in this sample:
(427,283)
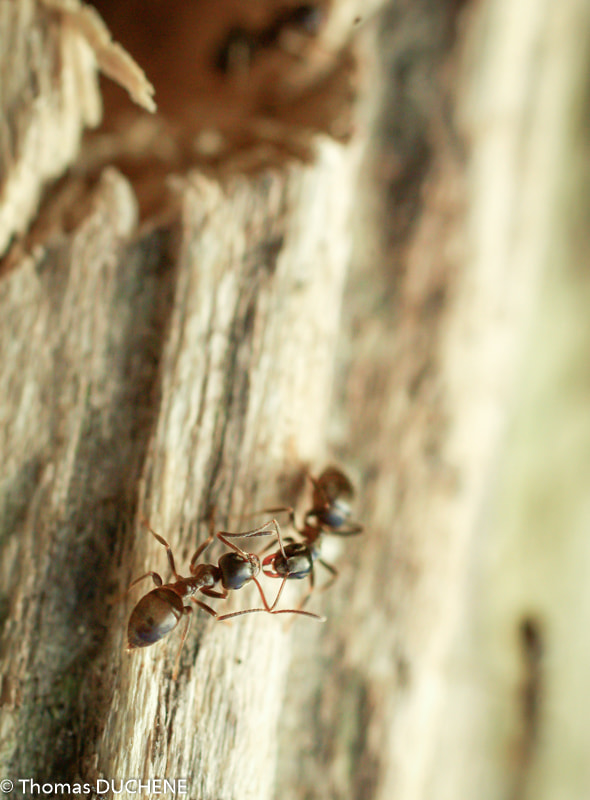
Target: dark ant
(332,493)
(160,611)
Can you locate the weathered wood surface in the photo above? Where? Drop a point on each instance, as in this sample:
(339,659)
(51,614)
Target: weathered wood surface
(474,443)
(161,371)
(159,376)
(457,668)
(50,54)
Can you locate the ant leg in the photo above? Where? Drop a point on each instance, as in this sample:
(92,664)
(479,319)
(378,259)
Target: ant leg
(262,530)
(286,540)
(353,529)
(278,510)
(268,608)
(279,593)
(332,570)
(153,575)
(214,593)
(204,545)
(305,597)
(166,545)
(200,549)
(209,593)
(329,582)
(169,554)
(311,588)
(187,611)
(268,567)
(118,597)
(280,611)
(350,529)
(347,528)
(271,609)
(204,606)
(326,585)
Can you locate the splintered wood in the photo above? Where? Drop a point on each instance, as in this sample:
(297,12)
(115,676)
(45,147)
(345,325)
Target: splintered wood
(49,56)
(240,87)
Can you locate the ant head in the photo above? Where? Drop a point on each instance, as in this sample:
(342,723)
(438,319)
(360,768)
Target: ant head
(295,564)
(237,569)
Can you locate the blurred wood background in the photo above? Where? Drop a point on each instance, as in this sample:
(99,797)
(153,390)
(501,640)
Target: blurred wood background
(353,235)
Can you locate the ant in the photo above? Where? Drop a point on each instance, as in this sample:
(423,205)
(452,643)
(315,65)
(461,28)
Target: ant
(161,609)
(332,493)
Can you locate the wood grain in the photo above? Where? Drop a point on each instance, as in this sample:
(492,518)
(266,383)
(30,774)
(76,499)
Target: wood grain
(157,375)
(163,368)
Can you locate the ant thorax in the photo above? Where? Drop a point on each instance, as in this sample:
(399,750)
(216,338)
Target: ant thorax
(204,576)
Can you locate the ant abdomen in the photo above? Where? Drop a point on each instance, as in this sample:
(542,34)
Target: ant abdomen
(154,616)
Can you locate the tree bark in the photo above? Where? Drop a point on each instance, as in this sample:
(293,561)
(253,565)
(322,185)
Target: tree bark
(51,51)
(159,366)
(159,377)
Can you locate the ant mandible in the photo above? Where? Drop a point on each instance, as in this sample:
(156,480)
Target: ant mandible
(161,609)
(332,494)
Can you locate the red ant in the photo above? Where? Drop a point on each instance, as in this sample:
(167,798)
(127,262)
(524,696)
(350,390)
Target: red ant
(161,609)
(332,493)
